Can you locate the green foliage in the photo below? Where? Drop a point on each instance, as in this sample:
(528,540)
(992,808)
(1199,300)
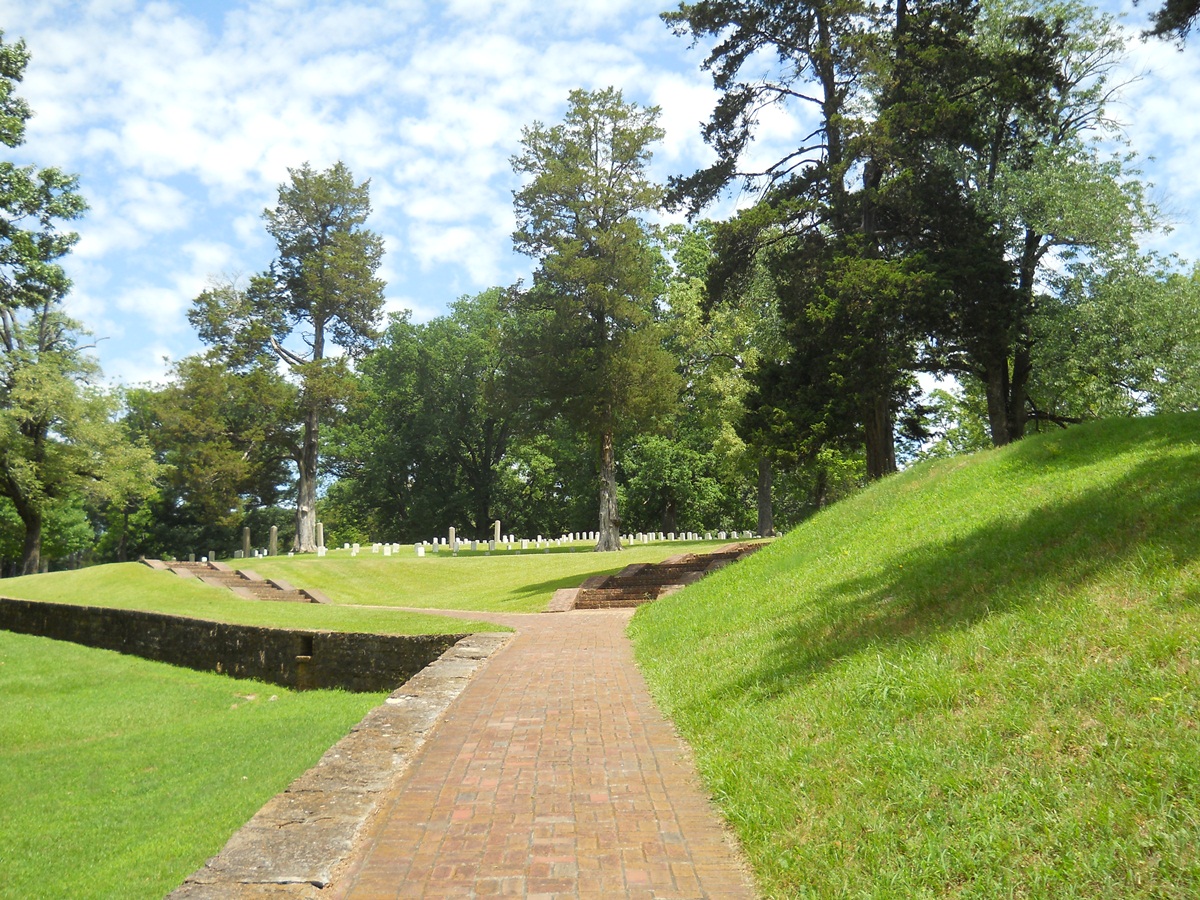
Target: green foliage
(321,287)
(423,444)
(1174,19)
(227,437)
(958,421)
(591,309)
(1123,340)
(589,333)
(956,159)
(975,679)
(58,445)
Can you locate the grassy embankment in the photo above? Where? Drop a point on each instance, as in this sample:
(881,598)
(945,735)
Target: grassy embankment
(980,678)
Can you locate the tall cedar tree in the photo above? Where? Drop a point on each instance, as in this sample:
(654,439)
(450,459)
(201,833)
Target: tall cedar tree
(322,289)
(596,349)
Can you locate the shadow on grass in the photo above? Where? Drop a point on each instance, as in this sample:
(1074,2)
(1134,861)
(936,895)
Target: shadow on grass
(1008,565)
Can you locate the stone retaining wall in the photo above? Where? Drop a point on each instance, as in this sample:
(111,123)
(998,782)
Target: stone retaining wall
(287,657)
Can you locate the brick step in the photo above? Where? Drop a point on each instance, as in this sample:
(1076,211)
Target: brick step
(641,583)
(617,593)
(622,601)
(652,579)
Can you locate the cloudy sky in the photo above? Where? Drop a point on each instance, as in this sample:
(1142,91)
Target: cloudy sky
(182,118)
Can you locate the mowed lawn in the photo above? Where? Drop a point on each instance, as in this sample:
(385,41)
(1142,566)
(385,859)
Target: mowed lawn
(135,586)
(505,581)
(119,776)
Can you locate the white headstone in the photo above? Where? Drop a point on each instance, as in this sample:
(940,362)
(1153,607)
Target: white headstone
(524,543)
(387,549)
(721,535)
(420,548)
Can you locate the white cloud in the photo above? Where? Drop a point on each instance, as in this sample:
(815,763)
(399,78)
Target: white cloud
(183,119)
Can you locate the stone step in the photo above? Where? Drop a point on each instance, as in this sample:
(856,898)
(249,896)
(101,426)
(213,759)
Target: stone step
(244,583)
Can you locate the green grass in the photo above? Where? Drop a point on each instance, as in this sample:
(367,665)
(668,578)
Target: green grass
(980,678)
(502,582)
(119,777)
(134,586)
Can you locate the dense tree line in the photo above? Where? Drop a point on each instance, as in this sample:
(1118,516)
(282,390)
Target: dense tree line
(949,259)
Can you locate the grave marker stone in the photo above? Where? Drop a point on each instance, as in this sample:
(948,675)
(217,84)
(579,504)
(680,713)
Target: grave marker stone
(246,542)
(273,541)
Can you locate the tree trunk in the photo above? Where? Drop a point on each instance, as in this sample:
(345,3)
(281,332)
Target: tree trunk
(669,517)
(123,544)
(306,503)
(1018,414)
(31,554)
(766,478)
(880,439)
(610,521)
(821,488)
(995,380)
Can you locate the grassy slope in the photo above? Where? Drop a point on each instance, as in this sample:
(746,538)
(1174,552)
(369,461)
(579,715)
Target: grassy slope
(134,586)
(502,582)
(119,777)
(980,678)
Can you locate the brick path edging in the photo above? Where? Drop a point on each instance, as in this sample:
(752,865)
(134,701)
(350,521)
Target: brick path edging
(297,844)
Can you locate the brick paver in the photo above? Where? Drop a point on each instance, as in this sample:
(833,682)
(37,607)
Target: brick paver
(553,775)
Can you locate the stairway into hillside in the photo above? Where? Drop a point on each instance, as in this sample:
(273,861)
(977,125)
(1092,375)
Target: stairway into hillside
(641,583)
(243,582)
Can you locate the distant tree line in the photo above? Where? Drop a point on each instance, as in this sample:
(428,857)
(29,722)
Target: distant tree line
(946,260)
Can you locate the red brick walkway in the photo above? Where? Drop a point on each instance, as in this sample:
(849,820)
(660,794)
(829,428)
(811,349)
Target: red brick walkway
(553,775)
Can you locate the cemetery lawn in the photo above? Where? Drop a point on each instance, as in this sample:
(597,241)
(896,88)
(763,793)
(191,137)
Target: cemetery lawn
(120,776)
(978,678)
(502,582)
(135,586)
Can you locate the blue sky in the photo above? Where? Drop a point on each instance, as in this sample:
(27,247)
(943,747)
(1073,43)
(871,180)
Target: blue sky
(181,119)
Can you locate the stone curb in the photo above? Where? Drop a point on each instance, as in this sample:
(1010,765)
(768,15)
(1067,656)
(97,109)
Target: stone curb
(296,844)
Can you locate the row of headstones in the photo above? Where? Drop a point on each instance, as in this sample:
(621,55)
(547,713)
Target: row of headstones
(509,542)
(453,544)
